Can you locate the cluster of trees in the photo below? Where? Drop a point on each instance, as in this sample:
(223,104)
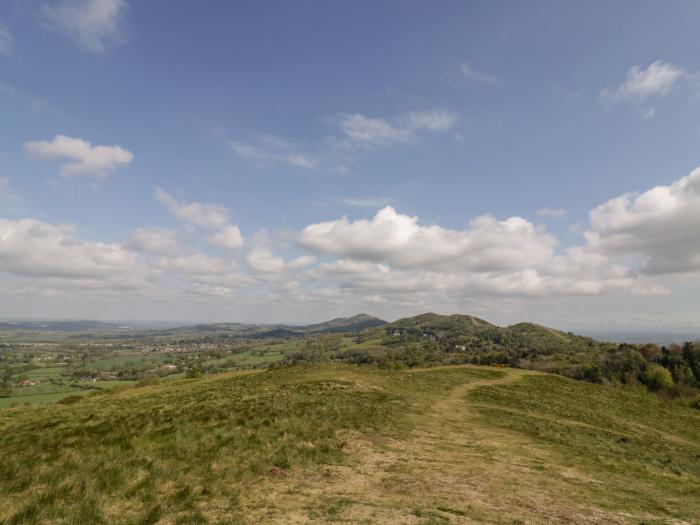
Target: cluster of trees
(674,369)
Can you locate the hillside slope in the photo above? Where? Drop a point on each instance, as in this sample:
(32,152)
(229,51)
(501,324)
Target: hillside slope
(354,445)
(355,323)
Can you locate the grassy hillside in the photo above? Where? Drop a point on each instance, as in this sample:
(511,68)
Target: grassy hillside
(355,323)
(349,444)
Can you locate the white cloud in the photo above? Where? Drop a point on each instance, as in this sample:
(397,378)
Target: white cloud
(34,248)
(205,215)
(195,263)
(153,240)
(551,213)
(301,262)
(376,131)
(641,85)
(487,244)
(227,237)
(302,161)
(635,243)
(373,130)
(86,160)
(367,202)
(660,225)
(245,150)
(469,72)
(262,259)
(272,150)
(7,46)
(94,24)
(393,257)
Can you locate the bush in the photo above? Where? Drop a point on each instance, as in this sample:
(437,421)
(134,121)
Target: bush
(695,403)
(70,400)
(657,378)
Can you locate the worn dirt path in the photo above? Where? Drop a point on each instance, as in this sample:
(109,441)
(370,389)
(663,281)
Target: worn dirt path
(445,467)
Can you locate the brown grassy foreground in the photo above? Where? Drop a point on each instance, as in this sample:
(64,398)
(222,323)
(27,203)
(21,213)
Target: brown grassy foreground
(323,444)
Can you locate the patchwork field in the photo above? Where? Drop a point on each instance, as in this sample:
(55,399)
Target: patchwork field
(346,444)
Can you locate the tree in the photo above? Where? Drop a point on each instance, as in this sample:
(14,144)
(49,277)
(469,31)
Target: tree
(195,371)
(657,378)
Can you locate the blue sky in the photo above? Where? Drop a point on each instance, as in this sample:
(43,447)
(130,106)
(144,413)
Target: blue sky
(292,161)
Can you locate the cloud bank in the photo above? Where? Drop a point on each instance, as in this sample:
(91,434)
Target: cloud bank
(635,243)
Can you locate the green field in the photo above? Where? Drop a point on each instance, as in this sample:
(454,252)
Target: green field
(128,360)
(43,373)
(44,393)
(354,444)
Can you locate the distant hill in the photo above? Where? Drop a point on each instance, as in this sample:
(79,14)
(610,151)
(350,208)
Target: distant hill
(355,323)
(352,324)
(465,328)
(59,326)
(441,325)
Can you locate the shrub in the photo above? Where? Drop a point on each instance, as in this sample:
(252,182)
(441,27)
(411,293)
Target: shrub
(70,400)
(657,378)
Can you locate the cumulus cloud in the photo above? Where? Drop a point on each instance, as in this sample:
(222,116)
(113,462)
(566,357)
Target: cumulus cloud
(34,248)
(7,46)
(227,237)
(153,240)
(660,224)
(94,24)
(641,85)
(261,259)
(86,160)
(393,257)
(376,131)
(398,239)
(205,215)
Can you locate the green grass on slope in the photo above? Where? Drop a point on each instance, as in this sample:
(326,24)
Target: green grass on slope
(644,451)
(141,455)
(273,447)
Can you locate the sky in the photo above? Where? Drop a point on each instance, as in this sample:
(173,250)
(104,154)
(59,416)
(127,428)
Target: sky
(281,161)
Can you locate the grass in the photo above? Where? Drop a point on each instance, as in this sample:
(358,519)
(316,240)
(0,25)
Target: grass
(331,443)
(39,399)
(45,393)
(650,446)
(139,455)
(127,360)
(44,373)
